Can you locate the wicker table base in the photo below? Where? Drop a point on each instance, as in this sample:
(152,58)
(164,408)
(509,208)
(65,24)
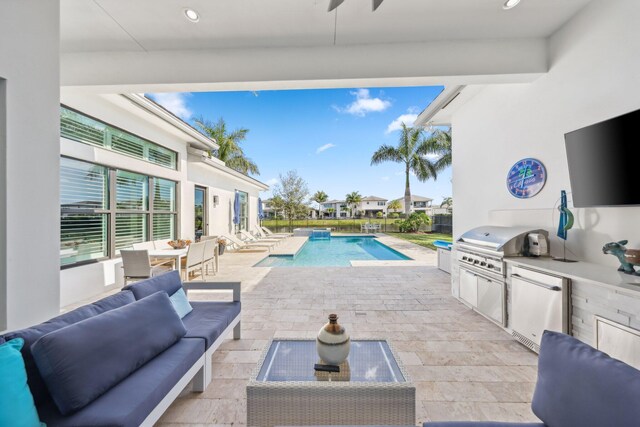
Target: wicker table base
(304,403)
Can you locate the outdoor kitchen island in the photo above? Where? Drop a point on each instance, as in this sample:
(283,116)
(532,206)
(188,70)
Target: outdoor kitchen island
(596,293)
(526,295)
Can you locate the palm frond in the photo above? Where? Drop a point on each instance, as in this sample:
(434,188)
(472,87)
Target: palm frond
(423,168)
(386,153)
(242,164)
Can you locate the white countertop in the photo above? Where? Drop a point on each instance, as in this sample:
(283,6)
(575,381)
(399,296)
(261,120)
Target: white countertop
(594,273)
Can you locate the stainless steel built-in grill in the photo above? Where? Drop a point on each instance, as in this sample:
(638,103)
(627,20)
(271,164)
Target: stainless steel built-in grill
(484,248)
(480,255)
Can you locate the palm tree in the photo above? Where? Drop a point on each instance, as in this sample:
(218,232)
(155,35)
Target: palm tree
(447,202)
(411,150)
(353,199)
(230,151)
(394,205)
(320,197)
(440,145)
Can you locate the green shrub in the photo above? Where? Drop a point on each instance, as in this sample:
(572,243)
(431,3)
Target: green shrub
(413,223)
(379,215)
(394,215)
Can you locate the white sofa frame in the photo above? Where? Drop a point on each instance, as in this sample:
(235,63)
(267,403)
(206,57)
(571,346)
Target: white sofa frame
(200,373)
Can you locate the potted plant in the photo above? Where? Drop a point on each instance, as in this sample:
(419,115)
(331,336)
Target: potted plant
(222,244)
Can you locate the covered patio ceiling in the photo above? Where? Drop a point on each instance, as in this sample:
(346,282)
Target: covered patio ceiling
(146,45)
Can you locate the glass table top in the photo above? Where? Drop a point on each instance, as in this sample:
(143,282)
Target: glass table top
(293,360)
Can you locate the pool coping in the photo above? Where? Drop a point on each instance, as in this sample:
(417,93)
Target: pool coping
(292,249)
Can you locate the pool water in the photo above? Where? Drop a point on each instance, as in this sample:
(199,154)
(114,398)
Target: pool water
(335,252)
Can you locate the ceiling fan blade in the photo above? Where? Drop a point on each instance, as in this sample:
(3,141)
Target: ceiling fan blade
(376,4)
(334,3)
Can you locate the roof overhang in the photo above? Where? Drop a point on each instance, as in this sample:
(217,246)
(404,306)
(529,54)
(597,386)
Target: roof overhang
(221,166)
(196,139)
(441,109)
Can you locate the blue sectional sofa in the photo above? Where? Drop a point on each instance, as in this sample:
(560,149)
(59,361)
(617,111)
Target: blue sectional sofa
(578,386)
(123,360)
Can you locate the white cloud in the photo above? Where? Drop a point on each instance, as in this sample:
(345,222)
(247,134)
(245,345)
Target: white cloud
(407,119)
(384,178)
(174,102)
(324,147)
(432,156)
(364,104)
(272,181)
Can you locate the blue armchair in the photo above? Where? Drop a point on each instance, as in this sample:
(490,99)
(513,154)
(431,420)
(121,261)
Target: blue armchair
(578,386)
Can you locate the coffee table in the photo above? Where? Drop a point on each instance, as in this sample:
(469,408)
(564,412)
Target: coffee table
(371,388)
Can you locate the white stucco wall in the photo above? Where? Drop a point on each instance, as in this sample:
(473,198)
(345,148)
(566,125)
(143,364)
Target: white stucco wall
(86,281)
(224,186)
(29,158)
(594,75)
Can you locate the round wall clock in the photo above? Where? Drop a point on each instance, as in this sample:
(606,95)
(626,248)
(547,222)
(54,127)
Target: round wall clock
(526,178)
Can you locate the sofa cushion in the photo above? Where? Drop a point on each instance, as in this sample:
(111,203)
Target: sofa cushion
(129,402)
(16,402)
(169,282)
(581,386)
(209,319)
(82,361)
(479,424)
(32,334)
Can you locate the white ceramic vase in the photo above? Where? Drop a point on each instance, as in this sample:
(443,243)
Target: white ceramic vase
(333,343)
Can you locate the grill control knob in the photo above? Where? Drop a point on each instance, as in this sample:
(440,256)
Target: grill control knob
(475,261)
(482,264)
(464,258)
(489,265)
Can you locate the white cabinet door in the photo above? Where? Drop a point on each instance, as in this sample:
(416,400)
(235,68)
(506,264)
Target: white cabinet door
(469,287)
(491,299)
(535,307)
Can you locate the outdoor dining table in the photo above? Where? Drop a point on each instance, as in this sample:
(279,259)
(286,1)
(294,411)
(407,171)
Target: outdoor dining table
(175,254)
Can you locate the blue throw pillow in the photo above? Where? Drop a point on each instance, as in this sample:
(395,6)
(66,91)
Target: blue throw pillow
(181,303)
(80,362)
(16,402)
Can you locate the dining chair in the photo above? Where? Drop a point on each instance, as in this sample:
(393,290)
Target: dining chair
(194,260)
(137,265)
(210,255)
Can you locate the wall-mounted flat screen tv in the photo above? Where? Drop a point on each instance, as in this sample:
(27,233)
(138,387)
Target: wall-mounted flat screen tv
(604,162)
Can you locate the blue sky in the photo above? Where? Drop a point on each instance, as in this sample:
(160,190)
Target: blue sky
(327,135)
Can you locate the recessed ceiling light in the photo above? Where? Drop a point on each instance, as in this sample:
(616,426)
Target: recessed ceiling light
(510,4)
(191,15)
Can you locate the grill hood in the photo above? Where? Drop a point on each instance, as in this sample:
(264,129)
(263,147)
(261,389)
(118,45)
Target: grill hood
(509,240)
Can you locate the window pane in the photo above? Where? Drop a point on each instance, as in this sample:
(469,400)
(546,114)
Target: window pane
(82,185)
(131,191)
(164,195)
(164,226)
(82,237)
(127,144)
(130,229)
(80,128)
(162,156)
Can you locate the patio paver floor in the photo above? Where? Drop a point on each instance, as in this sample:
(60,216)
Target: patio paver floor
(464,367)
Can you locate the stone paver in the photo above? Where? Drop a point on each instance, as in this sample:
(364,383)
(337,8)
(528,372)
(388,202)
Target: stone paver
(464,367)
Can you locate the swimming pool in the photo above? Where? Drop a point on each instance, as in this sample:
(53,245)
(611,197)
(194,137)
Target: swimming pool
(337,251)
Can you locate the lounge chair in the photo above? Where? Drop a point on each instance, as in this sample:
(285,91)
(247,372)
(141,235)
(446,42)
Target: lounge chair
(270,233)
(239,245)
(259,234)
(248,237)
